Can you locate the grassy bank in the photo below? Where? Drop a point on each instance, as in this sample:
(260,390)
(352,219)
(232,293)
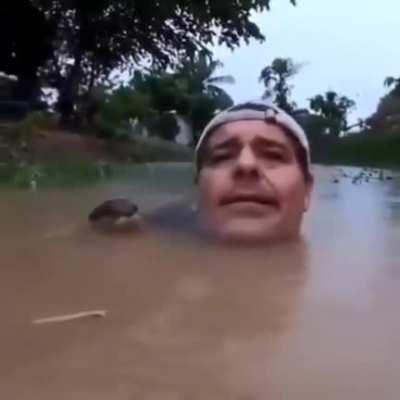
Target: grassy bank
(368,149)
(139,150)
(58,174)
(36,154)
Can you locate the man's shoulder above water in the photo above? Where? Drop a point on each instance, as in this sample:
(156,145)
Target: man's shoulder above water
(180,215)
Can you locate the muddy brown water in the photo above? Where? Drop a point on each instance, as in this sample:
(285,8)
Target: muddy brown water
(318,319)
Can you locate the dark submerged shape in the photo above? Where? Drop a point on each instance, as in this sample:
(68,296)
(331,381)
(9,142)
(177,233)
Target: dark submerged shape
(113,209)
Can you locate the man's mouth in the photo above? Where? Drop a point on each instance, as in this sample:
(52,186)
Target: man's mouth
(249,198)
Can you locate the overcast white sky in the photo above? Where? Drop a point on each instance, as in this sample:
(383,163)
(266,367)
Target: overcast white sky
(349,46)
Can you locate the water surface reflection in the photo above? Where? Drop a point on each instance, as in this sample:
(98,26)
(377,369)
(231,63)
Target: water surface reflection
(307,320)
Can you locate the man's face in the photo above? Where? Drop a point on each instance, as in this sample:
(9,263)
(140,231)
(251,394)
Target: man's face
(251,184)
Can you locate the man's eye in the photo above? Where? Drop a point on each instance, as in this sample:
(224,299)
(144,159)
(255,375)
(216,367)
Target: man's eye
(218,158)
(274,155)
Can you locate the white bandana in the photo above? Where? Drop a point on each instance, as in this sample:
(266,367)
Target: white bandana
(262,110)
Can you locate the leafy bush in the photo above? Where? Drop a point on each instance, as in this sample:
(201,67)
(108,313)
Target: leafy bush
(33,124)
(123,105)
(165,126)
(360,149)
(387,111)
(42,120)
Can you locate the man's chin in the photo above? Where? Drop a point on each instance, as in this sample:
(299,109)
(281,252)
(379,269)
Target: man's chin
(248,232)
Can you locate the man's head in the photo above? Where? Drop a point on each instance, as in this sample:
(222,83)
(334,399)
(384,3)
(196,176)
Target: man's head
(253,174)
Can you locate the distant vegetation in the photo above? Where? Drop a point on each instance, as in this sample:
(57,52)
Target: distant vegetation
(74,47)
(152,99)
(373,141)
(58,59)
(59,66)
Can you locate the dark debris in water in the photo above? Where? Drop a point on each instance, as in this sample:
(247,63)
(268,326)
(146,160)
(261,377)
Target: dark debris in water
(366,175)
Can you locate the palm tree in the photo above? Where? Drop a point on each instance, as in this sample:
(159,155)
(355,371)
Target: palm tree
(198,77)
(275,79)
(194,78)
(334,109)
(192,91)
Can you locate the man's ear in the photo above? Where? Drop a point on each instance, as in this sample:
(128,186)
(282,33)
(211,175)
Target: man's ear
(197,176)
(308,192)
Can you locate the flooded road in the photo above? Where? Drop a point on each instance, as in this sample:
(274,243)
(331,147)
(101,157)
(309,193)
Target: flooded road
(317,319)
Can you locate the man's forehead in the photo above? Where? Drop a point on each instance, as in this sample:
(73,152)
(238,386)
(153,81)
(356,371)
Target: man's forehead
(248,131)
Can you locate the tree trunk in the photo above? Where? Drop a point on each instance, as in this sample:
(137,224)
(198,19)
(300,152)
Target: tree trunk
(69,92)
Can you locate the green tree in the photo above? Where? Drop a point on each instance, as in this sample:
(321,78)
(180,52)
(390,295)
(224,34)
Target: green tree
(199,77)
(334,109)
(125,104)
(165,91)
(164,126)
(25,45)
(201,85)
(155,96)
(390,82)
(95,37)
(386,118)
(275,78)
(314,125)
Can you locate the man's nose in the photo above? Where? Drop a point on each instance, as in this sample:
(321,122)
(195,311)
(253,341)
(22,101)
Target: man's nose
(247,164)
